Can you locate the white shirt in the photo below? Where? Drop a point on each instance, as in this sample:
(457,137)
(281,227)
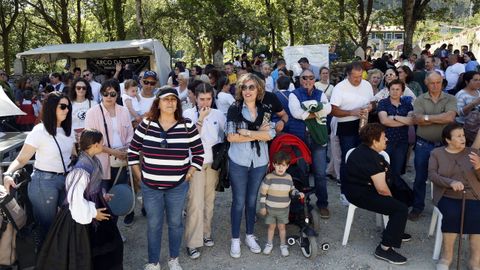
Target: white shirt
(96,91)
(183,96)
(296,109)
(269,85)
(452,73)
(213,128)
(135,104)
(348,97)
(145,103)
(47,155)
(224,100)
(82,211)
(79,111)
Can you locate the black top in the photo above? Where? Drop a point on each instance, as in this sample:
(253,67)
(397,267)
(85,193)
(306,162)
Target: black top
(272,102)
(362,164)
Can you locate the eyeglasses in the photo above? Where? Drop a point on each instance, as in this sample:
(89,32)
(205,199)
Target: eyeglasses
(250,87)
(63,106)
(86,75)
(81,87)
(308,78)
(152,83)
(111,94)
(163,143)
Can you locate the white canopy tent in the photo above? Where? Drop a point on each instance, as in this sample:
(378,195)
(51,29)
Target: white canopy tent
(124,48)
(7,107)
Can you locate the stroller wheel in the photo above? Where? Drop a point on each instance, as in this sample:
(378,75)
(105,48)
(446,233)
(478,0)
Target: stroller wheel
(309,247)
(325,246)
(291,241)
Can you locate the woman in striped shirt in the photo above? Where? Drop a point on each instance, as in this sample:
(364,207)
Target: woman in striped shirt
(165,139)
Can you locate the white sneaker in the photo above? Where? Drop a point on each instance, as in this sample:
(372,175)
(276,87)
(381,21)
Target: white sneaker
(152,266)
(343,200)
(173,264)
(235,251)
(251,243)
(284,250)
(268,249)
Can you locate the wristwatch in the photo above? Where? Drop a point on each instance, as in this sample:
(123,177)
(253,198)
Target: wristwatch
(7,174)
(425,117)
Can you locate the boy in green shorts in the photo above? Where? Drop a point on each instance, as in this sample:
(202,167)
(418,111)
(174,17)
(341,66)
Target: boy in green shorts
(275,192)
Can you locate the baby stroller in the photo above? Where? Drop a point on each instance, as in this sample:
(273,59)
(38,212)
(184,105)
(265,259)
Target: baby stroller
(301,213)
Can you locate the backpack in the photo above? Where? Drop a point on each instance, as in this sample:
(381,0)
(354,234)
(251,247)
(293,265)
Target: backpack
(472,124)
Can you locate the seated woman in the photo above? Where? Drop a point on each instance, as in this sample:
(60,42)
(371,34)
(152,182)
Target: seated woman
(83,235)
(366,187)
(453,169)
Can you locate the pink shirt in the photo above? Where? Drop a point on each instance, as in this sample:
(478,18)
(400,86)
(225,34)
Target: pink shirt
(94,120)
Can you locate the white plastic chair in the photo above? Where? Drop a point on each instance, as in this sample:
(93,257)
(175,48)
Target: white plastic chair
(436,222)
(352,207)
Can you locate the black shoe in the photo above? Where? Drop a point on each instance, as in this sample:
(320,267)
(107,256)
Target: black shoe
(129,219)
(193,253)
(389,255)
(414,215)
(144,213)
(406,237)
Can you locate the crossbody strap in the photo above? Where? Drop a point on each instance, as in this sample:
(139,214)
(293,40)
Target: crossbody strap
(61,155)
(105,125)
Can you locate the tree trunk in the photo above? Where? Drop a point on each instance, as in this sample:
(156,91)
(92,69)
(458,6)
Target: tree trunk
(139,17)
(79,36)
(6,28)
(217,46)
(341,31)
(413,11)
(270,22)
(65,28)
(201,50)
(6,52)
(107,20)
(118,17)
(289,11)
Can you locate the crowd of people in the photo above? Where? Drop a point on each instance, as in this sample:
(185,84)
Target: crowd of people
(383,109)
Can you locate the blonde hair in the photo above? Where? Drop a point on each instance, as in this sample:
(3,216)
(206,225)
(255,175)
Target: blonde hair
(372,72)
(260,84)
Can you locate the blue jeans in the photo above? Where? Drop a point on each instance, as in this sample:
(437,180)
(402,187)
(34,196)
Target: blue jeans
(245,182)
(319,165)
(422,155)
(346,143)
(156,203)
(397,151)
(46,192)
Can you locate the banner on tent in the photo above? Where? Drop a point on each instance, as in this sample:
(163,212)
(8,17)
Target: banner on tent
(107,65)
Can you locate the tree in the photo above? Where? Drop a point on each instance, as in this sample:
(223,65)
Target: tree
(55,14)
(139,18)
(8,14)
(268,6)
(413,11)
(363,23)
(118,17)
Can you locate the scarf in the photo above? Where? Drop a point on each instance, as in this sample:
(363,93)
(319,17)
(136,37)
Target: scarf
(263,116)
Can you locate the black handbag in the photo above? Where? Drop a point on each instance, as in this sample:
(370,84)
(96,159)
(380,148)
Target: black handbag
(220,154)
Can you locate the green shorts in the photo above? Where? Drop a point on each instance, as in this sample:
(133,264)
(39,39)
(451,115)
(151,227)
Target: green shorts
(277,216)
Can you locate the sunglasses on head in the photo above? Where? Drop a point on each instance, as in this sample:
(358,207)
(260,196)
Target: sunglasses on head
(163,143)
(81,87)
(111,94)
(63,106)
(250,87)
(152,83)
(311,77)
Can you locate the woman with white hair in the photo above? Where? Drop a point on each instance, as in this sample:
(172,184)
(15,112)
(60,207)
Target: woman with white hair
(182,90)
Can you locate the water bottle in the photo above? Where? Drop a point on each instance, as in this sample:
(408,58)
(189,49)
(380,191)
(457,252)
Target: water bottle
(363,118)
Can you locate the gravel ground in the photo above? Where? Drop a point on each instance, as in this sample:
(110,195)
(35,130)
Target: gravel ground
(358,254)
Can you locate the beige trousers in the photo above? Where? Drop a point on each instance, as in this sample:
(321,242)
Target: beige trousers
(201,198)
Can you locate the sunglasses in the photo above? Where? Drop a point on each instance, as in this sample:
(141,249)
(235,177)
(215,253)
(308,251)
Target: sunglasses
(308,78)
(111,94)
(152,83)
(81,87)
(250,87)
(163,143)
(86,75)
(63,106)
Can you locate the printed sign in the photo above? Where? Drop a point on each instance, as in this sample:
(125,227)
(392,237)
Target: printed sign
(317,55)
(107,65)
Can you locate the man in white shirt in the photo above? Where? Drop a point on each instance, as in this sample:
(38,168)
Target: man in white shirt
(453,73)
(147,95)
(350,101)
(266,70)
(88,75)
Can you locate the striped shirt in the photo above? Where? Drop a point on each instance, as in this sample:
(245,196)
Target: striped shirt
(166,154)
(275,191)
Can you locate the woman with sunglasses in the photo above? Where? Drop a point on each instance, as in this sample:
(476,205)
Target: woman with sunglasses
(52,143)
(201,197)
(113,121)
(165,140)
(249,128)
(390,75)
(80,94)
